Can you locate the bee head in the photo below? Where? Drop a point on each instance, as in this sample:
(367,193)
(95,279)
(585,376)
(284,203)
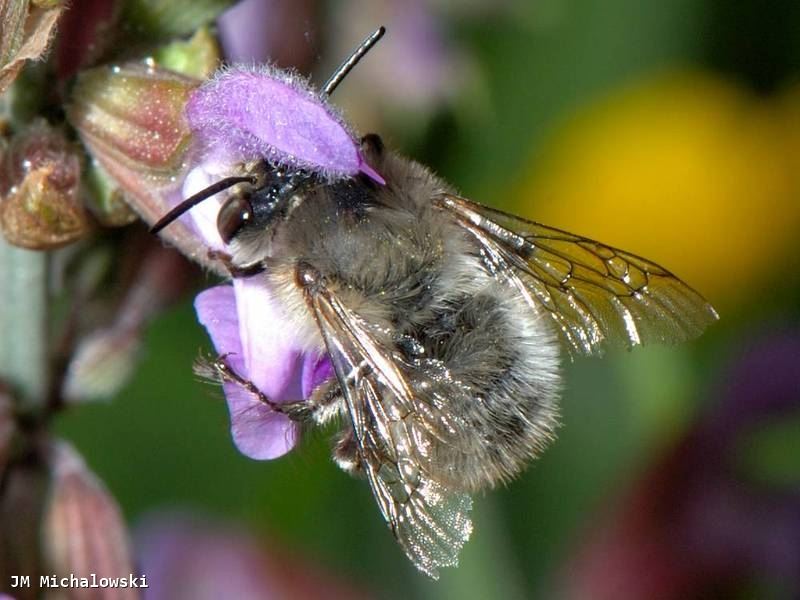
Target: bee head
(270,197)
(221,111)
(264,204)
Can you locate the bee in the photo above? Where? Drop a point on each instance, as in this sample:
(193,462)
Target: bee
(444,320)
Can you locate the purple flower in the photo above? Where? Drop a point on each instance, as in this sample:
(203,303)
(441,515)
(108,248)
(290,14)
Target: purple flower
(256,31)
(418,69)
(243,114)
(246,323)
(185,556)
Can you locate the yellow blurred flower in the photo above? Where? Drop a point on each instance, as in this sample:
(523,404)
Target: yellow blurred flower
(687,170)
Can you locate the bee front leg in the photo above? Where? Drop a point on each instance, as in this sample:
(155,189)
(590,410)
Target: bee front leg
(235,270)
(227,374)
(319,408)
(372,147)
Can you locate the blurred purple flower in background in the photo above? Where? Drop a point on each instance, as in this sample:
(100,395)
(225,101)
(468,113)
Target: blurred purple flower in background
(195,559)
(275,31)
(421,68)
(702,521)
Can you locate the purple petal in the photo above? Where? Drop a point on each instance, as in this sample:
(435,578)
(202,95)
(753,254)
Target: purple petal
(263,112)
(316,371)
(269,361)
(202,219)
(270,347)
(216,311)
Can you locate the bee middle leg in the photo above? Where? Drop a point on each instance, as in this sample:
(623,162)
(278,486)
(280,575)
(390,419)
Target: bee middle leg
(346,454)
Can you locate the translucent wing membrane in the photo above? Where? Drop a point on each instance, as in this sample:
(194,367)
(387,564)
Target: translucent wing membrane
(430,521)
(596,295)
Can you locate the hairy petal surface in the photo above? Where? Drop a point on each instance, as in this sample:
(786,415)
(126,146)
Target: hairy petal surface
(263,112)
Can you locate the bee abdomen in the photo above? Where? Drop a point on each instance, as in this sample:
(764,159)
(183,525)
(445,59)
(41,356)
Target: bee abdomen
(501,386)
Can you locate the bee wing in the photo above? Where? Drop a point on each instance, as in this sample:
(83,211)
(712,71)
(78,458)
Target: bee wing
(430,521)
(594,293)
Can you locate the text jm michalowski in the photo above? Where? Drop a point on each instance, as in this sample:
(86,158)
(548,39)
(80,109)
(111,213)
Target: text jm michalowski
(72,581)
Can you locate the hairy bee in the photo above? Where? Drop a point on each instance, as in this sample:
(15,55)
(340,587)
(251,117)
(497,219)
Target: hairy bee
(444,321)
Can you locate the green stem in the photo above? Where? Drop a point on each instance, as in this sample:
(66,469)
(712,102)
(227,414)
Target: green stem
(23,325)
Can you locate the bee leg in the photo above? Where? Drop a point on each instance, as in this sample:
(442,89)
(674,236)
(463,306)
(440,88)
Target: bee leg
(326,402)
(345,453)
(323,404)
(240,271)
(226,373)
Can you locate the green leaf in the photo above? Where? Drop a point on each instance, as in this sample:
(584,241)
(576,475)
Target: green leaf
(771,454)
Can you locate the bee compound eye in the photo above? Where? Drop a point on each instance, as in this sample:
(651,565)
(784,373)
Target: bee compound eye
(234,214)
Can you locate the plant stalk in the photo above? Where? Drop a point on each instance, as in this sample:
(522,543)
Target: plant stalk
(23,325)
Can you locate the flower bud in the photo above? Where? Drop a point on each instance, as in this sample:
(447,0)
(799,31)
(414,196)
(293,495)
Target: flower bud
(102,363)
(131,118)
(106,358)
(47,3)
(41,208)
(83,533)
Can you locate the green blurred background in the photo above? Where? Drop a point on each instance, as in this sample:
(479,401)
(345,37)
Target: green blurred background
(671,129)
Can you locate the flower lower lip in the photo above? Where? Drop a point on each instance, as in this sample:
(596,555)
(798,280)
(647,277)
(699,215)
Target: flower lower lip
(242,320)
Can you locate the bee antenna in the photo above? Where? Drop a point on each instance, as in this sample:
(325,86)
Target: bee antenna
(191,201)
(340,73)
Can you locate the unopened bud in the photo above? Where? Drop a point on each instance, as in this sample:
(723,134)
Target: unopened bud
(83,533)
(168,19)
(101,365)
(41,208)
(131,119)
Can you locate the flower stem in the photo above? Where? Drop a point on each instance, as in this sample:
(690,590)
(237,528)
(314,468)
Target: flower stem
(23,325)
